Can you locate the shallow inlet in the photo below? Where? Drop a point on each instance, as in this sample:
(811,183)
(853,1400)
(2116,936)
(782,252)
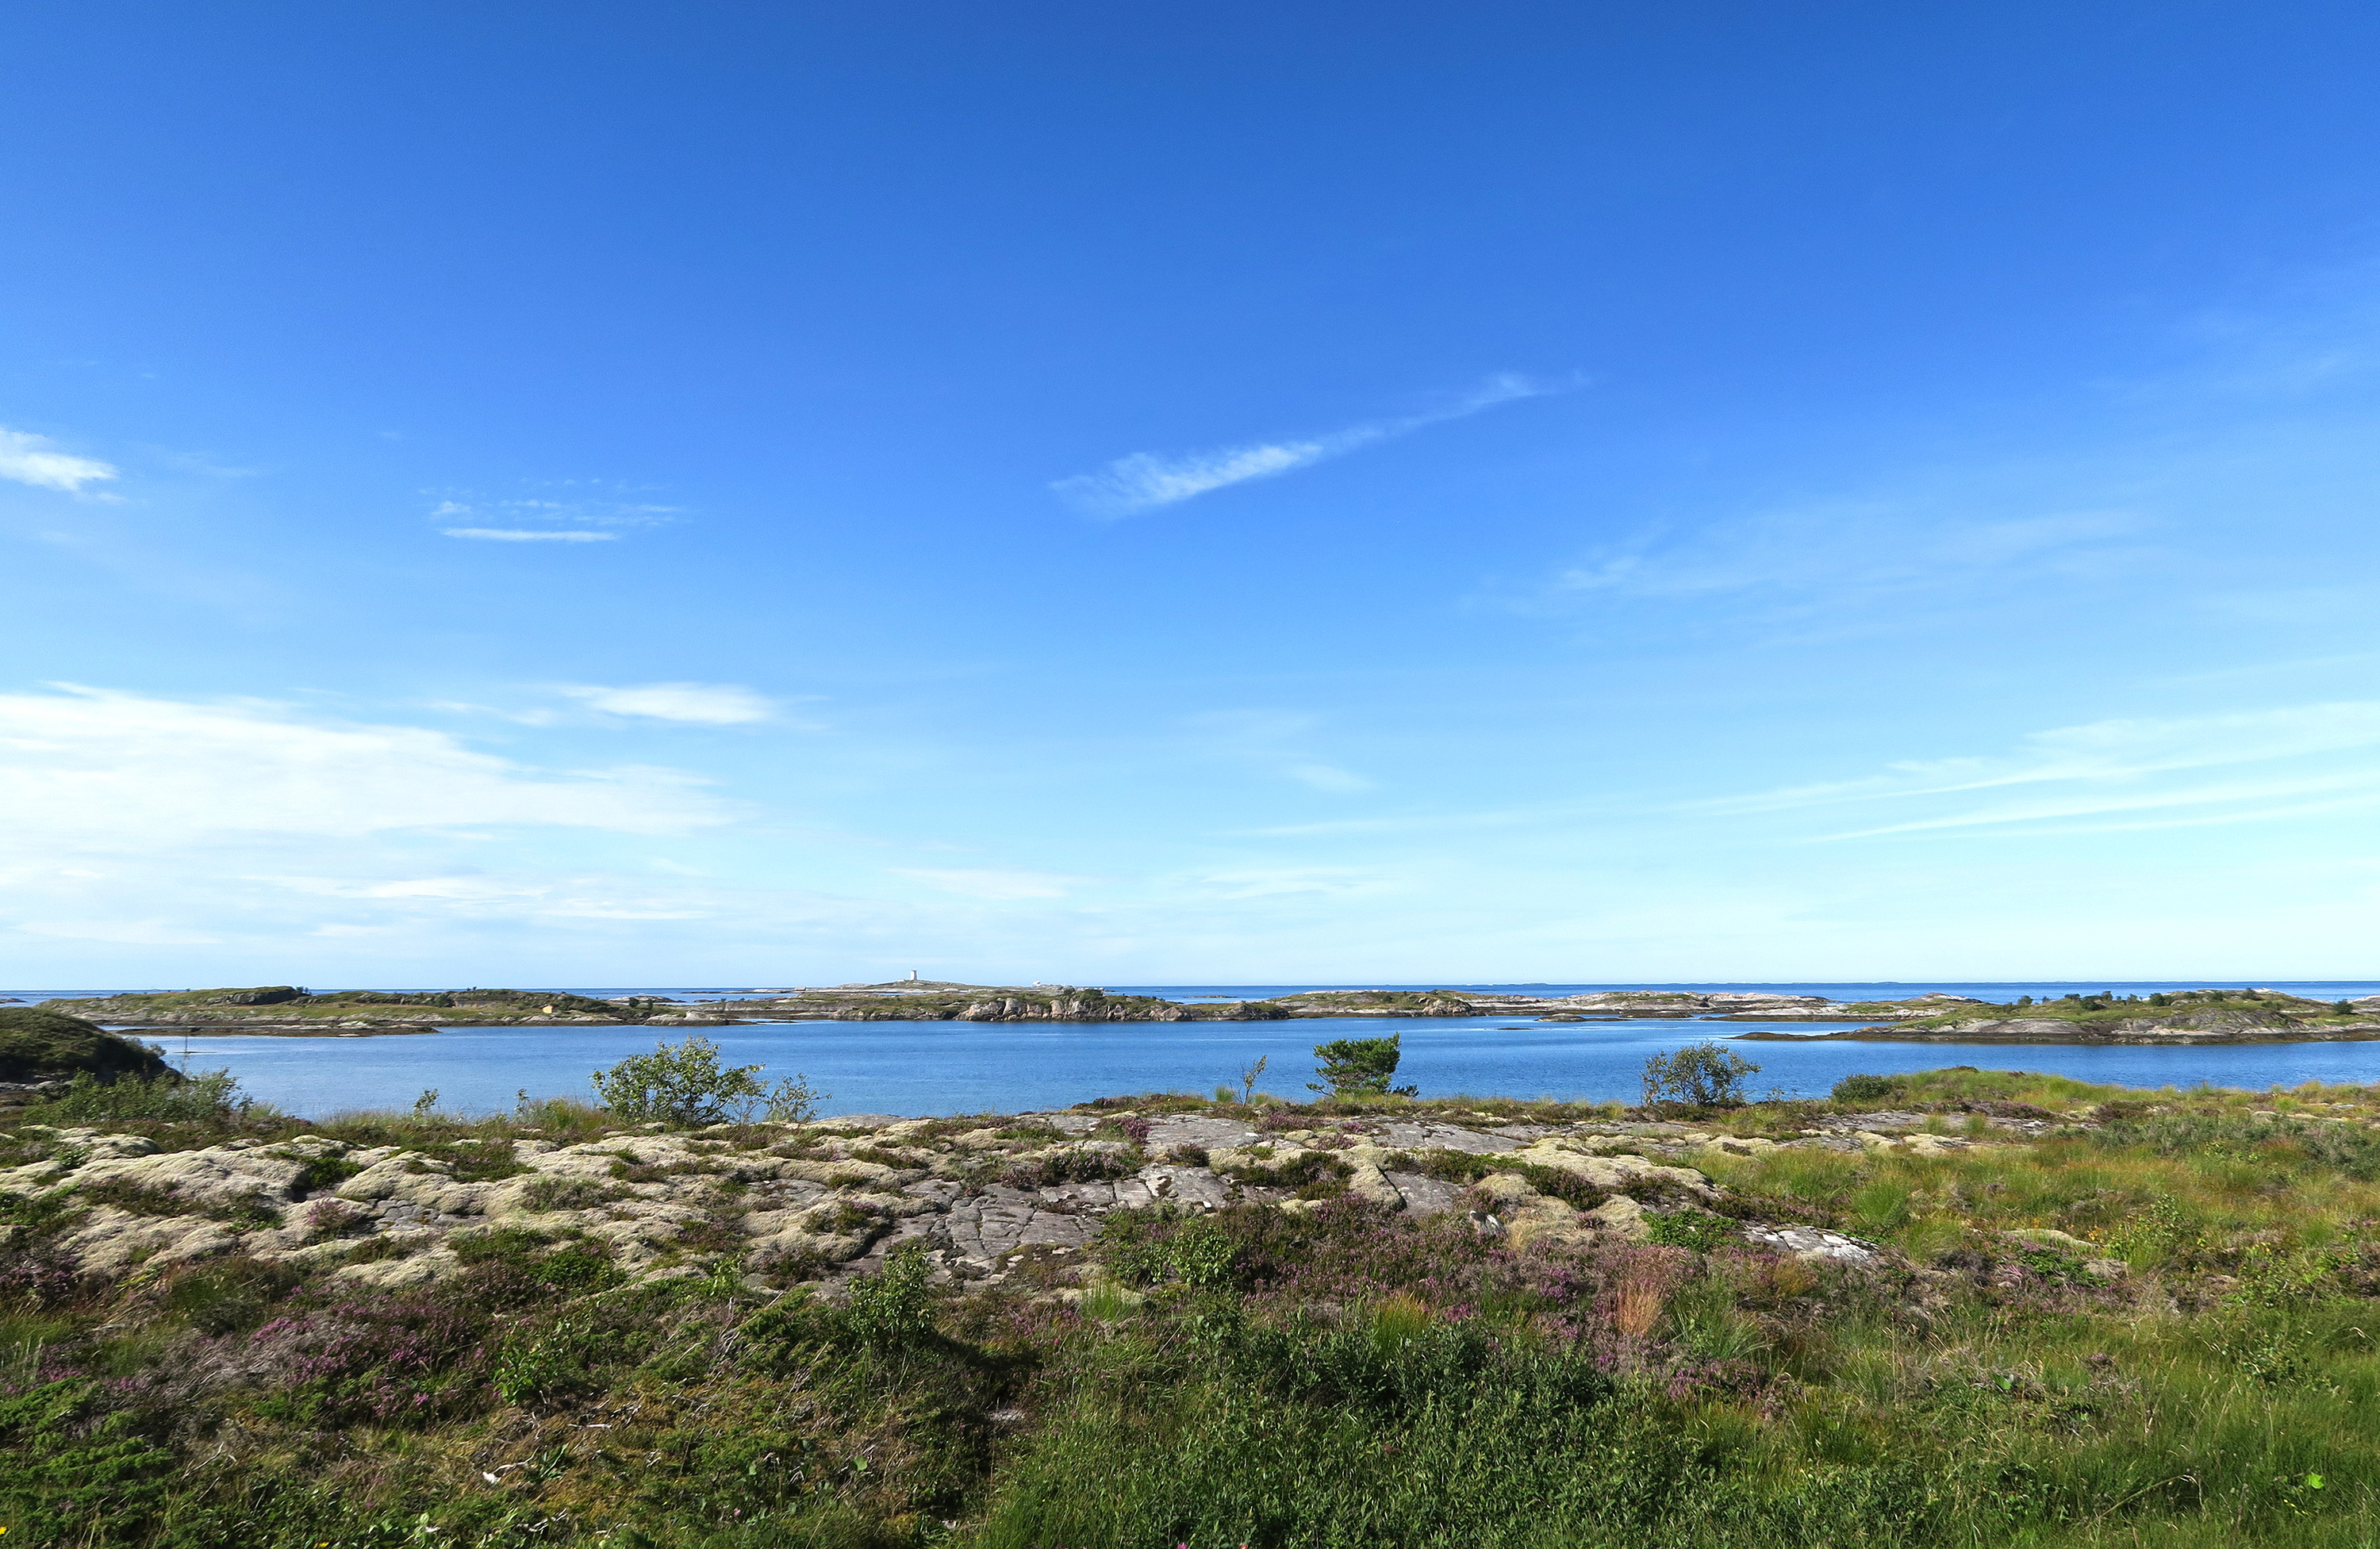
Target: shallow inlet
(951,1067)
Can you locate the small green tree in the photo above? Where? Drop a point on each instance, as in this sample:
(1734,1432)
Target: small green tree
(1360,1068)
(680,1085)
(793,1100)
(893,1307)
(1700,1075)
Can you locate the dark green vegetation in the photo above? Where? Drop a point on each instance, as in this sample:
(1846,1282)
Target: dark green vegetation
(40,1043)
(287,1003)
(1359,1068)
(1698,1076)
(2177,1350)
(684,1084)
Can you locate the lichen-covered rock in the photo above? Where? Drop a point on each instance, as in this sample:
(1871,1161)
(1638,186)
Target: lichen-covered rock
(1811,1242)
(1612,1172)
(112,1243)
(1622,1217)
(1531,1219)
(217,1178)
(818,1203)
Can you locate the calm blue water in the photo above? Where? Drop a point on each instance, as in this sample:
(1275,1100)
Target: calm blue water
(947,1067)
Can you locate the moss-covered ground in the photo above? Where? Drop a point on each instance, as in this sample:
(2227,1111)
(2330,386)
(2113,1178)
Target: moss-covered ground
(2178,1350)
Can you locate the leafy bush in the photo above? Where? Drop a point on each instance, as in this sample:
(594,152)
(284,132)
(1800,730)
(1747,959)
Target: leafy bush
(793,1100)
(1700,1076)
(210,1098)
(1202,1256)
(682,1084)
(1360,1068)
(1866,1089)
(543,1363)
(889,1308)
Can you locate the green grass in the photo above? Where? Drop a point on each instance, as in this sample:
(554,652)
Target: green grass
(1338,1377)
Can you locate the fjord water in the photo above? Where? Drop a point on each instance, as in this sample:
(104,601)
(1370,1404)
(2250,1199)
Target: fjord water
(957,1067)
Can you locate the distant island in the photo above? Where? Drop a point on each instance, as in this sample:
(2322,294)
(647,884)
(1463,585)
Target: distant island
(288,1009)
(2244,1016)
(2183,1017)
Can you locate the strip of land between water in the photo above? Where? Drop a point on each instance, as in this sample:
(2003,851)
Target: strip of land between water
(2182,1018)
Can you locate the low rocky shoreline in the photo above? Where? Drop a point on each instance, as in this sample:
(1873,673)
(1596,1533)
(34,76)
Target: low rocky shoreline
(821,1204)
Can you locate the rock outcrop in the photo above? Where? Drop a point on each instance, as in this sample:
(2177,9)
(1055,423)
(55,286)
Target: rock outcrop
(821,1202)
(41,1045)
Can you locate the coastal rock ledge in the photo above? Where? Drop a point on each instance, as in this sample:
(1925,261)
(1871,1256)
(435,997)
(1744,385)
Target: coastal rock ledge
(987,1199)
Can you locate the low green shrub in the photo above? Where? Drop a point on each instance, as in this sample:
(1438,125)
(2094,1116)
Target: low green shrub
(1697,1229)
(567,1193)
(232,1294)
(212,1098)
(78,1473)
(1866,1089)
(891,1307)
(1070,1167)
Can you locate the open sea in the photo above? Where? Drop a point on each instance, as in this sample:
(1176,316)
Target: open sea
(959,1067)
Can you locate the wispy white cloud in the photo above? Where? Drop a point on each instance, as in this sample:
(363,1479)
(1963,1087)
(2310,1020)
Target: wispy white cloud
(1284,882)
(1831,555)
(27,458)
(2124,748)
(1146,481)
(991,885)
(1274,740)
(523,535)
(588,511)
(1329,778)
(707,705)
(86,768)
(2115,774)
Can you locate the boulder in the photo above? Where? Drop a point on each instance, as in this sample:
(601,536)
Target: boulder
(212,1179)
(1531,1219)
(1612,1173)
(1622,1217)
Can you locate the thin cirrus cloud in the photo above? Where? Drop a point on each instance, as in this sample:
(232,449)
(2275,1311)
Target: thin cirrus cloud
(991,886)
(2127,773)
(119,772)
(702,704)
(27,458)
(521,535)
(590,514)
(1147,480)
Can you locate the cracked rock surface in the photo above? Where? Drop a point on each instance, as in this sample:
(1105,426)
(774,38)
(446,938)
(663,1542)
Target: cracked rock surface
(822,1202)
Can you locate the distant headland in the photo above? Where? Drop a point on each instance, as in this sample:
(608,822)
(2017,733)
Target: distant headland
(2244,1016)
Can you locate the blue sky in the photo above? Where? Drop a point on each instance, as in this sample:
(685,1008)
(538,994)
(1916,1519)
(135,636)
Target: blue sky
(615,495)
